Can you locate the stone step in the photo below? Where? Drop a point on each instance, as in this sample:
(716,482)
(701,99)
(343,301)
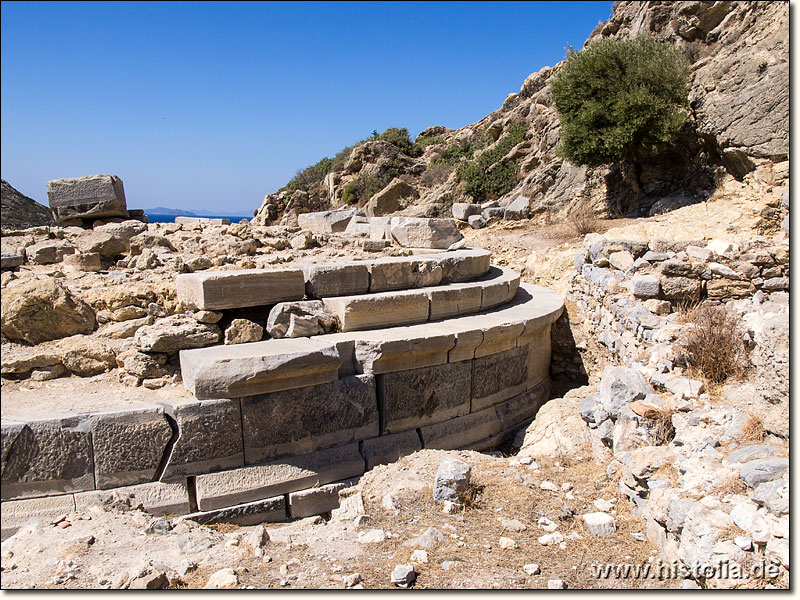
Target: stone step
(281,364)
(218,290)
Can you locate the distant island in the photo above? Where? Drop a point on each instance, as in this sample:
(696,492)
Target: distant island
(179,212)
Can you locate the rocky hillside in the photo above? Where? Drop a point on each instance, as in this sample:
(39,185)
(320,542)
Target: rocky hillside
(19,211)
(739,96)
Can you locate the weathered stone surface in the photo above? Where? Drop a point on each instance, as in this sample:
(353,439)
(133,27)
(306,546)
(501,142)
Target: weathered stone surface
(622,260)
(518,209)
(557,429)
(93,196)
(243,331)
(451,481)
(776,283)
(310,418)
(82,262)
(412,232)
(403,273)
(477,222)
(300,319)
(498,286)
(48,252)
(16,513)
(331,221)
(174,333)
(128,446)
(202,220)
(619,386)
(144,366)
(318,500)
(17,211)
(104,243)
(461,432)
(750,452)
(763,469)
(426,395)
(209,438)
(239,289)
(324,281)
(454,299)
(371,311)
(157,498)
(463,265)
(599,524)
(85,356)
(41,310)
(497,377)
(282,476)
(464,210)
(645,286)
(11,261)
(46,457)
(520,410)
(390,448)
(774,495)
(727,288)
(398,348)
(681,288)
(258,368)
(20,360)
(267,510)
(391,198)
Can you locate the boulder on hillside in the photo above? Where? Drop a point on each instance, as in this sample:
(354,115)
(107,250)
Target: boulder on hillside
(90,197)
(390,199)
(37,311)
(518,209)
(20,212)
(412,232)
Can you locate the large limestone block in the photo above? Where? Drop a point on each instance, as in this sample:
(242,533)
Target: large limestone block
(90,197)
(175,333)
(463,265)
(259,367)
(316,501)
(239,289)
(464,210)
(129,445)
(426,395)
(518,209)
(454,299)
(380,229)
(268,510)
(403,273)
(462,431)
(520,410)
(391,198)
(399,349)
(157,498)
(557,430)
(46,457)
(412,232)
(539,354)
(499,334)
(248,484)
(371,311)
(390,448)
(209,438)
(310,418)
(498,287)
(16,513)
(498,377)
(329,221)
(324,281)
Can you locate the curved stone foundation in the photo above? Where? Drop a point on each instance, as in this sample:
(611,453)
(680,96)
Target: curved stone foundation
(280,434)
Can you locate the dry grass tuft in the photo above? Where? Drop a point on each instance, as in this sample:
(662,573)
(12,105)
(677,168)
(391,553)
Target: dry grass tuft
(713,345)
(753,430)
(731,487)
(583,220)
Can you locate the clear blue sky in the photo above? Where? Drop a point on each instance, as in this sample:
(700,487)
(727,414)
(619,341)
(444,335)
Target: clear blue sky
(211,105)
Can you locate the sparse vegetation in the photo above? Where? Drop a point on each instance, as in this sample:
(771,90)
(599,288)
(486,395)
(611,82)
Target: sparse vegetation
(436,174)
(582,220)
(362,188)
(489,176)
(713,344)
(753,430)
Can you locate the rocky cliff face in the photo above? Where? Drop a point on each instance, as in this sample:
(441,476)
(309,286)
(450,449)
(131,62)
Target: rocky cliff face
(739,52)
(19,211)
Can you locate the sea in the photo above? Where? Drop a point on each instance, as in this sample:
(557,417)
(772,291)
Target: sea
(171,218)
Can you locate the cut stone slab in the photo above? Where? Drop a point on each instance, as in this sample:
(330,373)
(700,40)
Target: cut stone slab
(16,513)
(645,286)
(427,395)
(157,498)
(209,438)
(175,333)
(387,449)
(454,299)
(464,210)
(239,289)
(46,457)
(499,286)
(520,410)
(203,220)
(403,273)
(129,446)
(330,221)
(258,368)
(371,311)
(248,484)
(399,349)
(306,419)
(462,431)
(498,377)
(451,481)
(90,197)
(316,501)
(11,261)
(325,281)
(412,232)
(268,510)
(464,265)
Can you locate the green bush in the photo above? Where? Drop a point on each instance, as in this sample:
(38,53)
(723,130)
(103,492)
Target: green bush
(620,100)
(487,177)
(362,188)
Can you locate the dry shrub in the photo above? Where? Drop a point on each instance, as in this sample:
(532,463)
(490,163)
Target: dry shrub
(753,430)
(583,220)
(687,309)
(713,345)
(731,487)
(436,174)
(662,430)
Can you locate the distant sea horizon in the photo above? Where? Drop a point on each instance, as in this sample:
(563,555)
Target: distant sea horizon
(155,217)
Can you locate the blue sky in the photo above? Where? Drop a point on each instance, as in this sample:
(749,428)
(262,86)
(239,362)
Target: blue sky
(211,105)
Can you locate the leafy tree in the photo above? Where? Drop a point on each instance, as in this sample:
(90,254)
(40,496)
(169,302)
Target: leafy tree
(620,100)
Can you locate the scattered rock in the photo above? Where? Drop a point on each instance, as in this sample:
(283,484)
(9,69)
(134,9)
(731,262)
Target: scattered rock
(403,576)
(452,481)
(531,569)
(243,331)
(222,579)
(599,524)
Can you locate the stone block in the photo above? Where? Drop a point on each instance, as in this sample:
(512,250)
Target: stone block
(462,431)
(209,438)
(727,288)
(48,252)
(499,336)
(375,245)
(248,484)
(358,226)
(403,273)
(157,498)
(371,311)
(129,445)
(645,286)
(258,368)
(324,281)
(454,299)
(239,289)
(47,457)
(310,418)
(85,261)
(539,355)
(390,448)
(681,288)
(413,232)
(467,341)
(16,513)
(464,210)
(391,198)
(11,261)
(379,230)
(316,501)
(268,510)
(399,349)
(518,209)
(498,377)
(520,410)
(426,395)
(498,286)
(464,265)
(90,197)
(329,221)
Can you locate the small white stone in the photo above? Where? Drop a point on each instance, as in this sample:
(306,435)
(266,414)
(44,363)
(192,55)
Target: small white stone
(600,524)
(548,486)
(531,569)
(551,539)
(745,542)
(556,584)
(419,557)
(603,505)
(507,543)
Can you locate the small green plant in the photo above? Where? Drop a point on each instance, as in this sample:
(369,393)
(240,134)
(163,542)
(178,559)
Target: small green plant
(488,176)
(362,188)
